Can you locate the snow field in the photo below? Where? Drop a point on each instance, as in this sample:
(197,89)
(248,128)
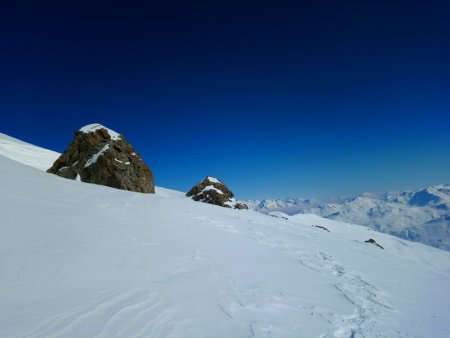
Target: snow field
(82,260)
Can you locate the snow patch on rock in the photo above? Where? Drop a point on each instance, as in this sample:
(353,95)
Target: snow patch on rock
(90,128)
(211,187)
(213,179)
(126,163)
(94,158)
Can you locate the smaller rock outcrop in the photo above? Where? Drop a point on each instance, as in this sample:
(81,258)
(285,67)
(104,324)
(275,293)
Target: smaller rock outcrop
(372,241)
(100,155)
(241,206)
(213,191)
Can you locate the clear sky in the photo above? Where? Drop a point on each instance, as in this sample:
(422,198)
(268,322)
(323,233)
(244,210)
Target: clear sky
(296,98)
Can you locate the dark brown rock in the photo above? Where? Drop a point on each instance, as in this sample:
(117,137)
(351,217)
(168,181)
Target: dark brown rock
(213,191)
(101,156)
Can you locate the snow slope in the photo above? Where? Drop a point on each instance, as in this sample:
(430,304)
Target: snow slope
(82,260)
(26,153)
(421,216)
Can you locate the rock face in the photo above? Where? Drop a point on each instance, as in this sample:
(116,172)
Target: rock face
(101,156)
(213,191)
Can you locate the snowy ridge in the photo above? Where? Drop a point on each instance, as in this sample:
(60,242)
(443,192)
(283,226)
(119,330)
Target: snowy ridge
(82,260)
(26,153)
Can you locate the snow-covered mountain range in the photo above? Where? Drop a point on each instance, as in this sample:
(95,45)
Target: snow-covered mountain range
(83,260)
(421,215)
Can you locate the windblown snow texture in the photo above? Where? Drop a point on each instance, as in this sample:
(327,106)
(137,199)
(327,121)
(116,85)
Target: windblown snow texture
(81,260)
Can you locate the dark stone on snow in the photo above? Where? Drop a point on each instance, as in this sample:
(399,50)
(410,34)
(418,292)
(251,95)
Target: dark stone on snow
(321,227)
(99,155)
(277,215)
(372,241)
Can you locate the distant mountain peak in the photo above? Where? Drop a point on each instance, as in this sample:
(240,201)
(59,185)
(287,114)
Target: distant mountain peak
(420,215)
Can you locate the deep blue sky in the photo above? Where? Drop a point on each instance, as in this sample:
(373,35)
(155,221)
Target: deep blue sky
(297,98)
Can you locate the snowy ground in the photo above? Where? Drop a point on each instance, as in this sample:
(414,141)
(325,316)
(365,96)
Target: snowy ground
(26,153)
(421,215)
(81,260)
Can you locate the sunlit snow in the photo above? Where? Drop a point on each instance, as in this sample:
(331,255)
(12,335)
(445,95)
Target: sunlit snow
(213,179)
(82,260)
(26,153)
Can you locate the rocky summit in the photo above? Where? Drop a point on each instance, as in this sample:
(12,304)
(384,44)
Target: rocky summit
(213,191)
(102,156)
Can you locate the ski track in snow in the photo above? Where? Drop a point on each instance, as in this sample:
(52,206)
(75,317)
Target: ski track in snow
(358,292)
(149,311)
(361,294)
(79,260)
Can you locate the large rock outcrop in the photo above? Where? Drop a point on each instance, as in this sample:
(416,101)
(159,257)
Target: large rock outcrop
(100,155)
(213,191)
